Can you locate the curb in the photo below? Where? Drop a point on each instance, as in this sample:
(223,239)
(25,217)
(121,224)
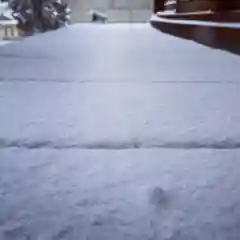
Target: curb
(229,17)
(214,34)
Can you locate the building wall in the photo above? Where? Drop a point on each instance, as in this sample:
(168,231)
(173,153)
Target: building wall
(201,5)
(116,10)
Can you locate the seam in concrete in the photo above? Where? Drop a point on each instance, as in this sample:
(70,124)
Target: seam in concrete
(224,144)
(122,81)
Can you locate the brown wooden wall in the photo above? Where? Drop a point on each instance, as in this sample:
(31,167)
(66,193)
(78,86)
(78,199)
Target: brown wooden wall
(197,5)
(201,5)
(158,5)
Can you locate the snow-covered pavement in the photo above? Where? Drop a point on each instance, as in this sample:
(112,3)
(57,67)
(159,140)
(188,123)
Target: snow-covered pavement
(118,132)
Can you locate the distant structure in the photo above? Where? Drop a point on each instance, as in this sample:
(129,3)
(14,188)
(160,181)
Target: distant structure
(115,10)
(98,16)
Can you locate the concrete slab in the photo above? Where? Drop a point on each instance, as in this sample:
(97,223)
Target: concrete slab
(122,76)
(132,194)
(118,131)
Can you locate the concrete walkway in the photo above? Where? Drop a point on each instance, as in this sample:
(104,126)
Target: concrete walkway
(118,132)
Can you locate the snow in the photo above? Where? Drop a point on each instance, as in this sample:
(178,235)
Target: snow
(118,132)
(233,25)
(104,194)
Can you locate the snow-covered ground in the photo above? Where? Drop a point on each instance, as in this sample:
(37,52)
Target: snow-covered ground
(3,42)
(4,9)
(112,132)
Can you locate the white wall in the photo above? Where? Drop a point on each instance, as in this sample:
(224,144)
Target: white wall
(116,10)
